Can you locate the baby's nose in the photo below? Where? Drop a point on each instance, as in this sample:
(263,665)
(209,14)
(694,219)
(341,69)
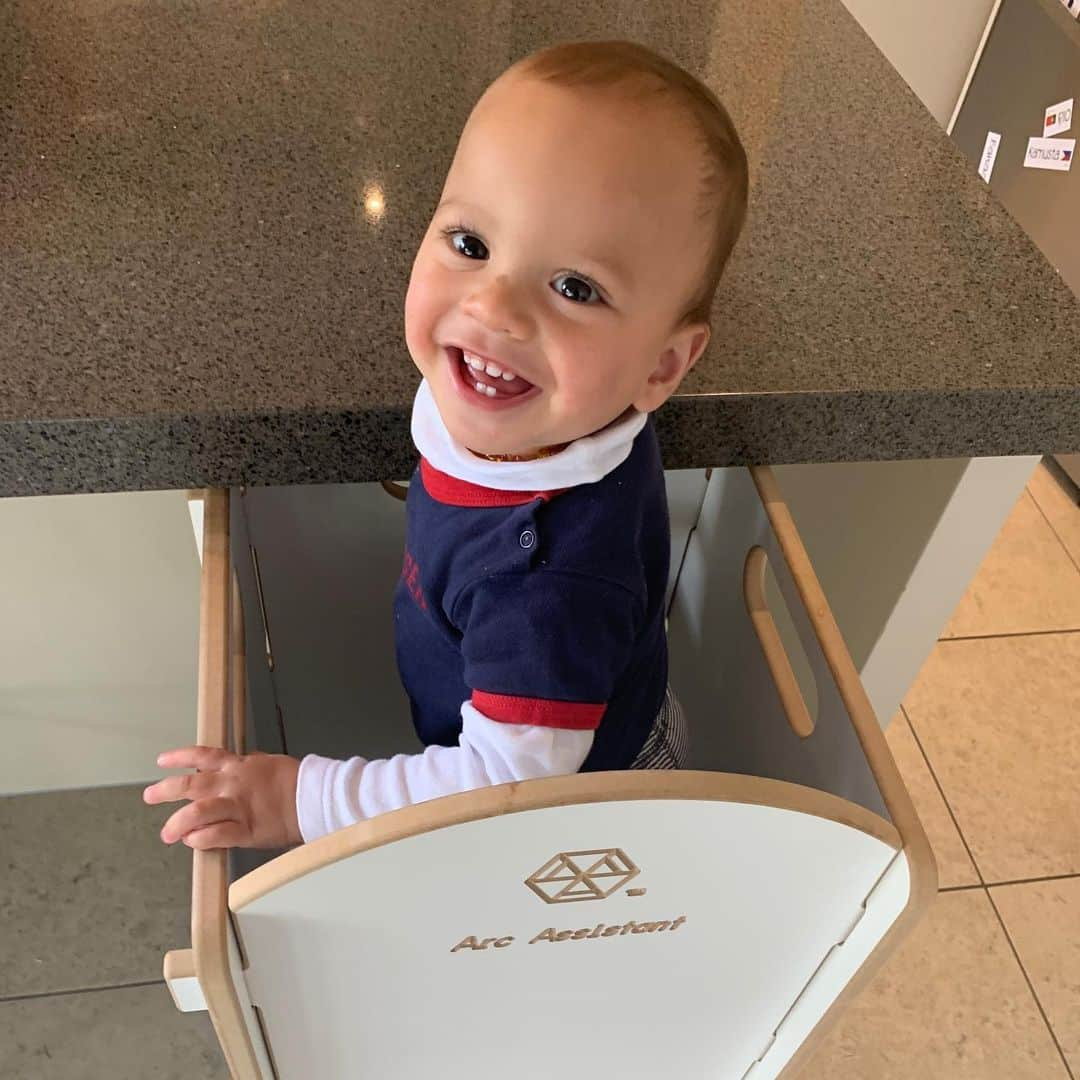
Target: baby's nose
(500,308)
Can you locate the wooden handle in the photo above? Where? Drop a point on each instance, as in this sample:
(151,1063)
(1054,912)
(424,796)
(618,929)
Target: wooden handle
(791,696)
(210,869)
(399,491)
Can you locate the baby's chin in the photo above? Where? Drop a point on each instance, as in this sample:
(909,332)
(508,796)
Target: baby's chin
(495,444)
(498,447)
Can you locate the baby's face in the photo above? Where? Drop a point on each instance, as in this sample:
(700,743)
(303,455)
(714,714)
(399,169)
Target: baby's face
(562,253)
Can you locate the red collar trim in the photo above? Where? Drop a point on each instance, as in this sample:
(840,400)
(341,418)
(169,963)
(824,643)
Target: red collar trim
(444,488)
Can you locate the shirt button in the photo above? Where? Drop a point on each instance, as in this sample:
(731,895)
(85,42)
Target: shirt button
(527,539)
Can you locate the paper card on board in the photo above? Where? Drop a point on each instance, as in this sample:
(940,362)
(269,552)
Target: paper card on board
(989,154)
(1058,118)
(1056,154)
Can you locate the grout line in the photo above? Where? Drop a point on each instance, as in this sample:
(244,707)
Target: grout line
(1022,633)
(1031,880)
(941,792)
(982,885)
(1031,986)
(1057,535)
(1017,881)
(79,990)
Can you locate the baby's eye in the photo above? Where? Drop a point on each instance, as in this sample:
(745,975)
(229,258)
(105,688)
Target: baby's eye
(576,288)
(467,244)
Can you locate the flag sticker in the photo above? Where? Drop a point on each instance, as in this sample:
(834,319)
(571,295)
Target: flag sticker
(1058,118)
(1056,154)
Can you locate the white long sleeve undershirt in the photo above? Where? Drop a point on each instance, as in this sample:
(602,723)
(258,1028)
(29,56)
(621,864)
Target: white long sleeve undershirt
(332,794)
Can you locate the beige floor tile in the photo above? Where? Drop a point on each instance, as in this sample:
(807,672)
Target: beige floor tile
(1026,583)
(950,1004)
(89,895)
(132,1033)
(1060,509)
(954,864)
(1043,920)
(997,718)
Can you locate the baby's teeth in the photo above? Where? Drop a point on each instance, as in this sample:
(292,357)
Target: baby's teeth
(489,390)
(482,387)
(488,367)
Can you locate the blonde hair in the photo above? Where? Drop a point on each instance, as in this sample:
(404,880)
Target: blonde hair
(648,75)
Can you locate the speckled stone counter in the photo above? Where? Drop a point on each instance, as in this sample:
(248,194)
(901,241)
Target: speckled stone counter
(194,291)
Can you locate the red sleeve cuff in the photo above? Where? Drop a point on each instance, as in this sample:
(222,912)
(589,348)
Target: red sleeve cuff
(573,715)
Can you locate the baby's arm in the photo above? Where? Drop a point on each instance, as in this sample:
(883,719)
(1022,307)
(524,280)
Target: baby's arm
(571,632)
(271,800)
(523,634)
(332,794)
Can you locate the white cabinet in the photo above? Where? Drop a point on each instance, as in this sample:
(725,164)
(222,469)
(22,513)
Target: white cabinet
(100,603)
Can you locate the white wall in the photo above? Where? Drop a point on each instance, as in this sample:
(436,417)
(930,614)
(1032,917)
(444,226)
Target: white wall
(931,43)
(99,597)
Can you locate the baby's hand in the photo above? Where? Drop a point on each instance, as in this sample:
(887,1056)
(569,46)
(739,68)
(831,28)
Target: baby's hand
(237,800)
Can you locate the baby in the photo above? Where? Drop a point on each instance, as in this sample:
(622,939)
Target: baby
(560,295)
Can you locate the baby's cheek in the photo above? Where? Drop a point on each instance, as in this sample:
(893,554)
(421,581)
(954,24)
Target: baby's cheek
(424,306)
(602,388)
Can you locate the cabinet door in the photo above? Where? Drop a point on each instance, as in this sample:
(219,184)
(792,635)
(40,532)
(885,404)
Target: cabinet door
(685,493)
(323,561)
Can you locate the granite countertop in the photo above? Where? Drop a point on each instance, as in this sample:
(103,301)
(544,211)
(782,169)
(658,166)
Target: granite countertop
(194,288)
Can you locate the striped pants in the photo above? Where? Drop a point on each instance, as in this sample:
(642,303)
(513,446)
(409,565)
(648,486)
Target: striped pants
(668,742)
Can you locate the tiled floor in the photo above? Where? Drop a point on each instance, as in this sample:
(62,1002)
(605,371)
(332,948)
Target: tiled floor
(987,988)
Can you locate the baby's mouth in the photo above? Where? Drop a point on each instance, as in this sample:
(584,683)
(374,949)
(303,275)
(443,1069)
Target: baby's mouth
(488,378)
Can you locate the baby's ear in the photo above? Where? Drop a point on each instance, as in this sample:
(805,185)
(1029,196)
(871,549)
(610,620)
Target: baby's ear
(680,354)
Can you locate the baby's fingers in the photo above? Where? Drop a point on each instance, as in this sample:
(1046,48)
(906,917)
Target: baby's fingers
(225,834)
(184,786)
(194,757)
(198,815)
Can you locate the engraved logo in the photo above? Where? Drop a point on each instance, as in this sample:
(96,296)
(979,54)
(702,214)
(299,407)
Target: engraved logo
(571,876)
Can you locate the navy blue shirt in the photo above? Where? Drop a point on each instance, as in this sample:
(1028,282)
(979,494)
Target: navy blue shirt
(539,607)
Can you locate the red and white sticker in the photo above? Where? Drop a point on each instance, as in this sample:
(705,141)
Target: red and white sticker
(1056,154)
(1058,118)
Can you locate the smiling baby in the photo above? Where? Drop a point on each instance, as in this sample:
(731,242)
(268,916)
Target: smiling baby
(560,295)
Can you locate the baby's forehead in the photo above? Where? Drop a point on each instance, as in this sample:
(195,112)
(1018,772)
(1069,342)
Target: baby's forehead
(595,143)
(632,103)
